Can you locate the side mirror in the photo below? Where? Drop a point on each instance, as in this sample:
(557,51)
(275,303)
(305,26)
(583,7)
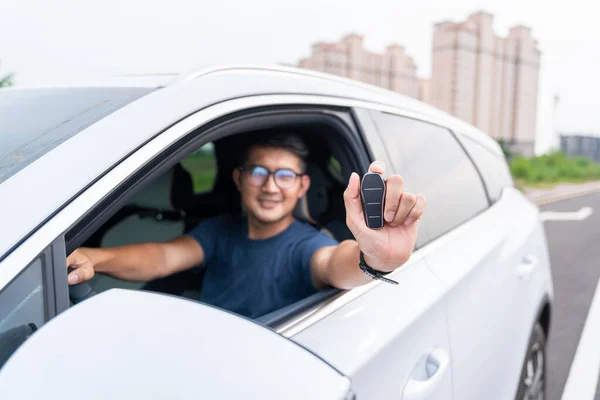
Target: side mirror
(133,344)
(12,339)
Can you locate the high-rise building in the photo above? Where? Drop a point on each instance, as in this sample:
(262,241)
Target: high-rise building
(425,90)
(393,70)
(488,81)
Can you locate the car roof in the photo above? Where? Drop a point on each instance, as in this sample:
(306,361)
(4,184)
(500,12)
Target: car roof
(34,193)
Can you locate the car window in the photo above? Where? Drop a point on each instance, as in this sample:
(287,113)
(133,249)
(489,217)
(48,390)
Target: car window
(34,121)
(22,308)
(202,166)
(432,162)
(493,168)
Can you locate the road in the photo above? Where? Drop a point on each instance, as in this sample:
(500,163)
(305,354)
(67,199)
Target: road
(575,256)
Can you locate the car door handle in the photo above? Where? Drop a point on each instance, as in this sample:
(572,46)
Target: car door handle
(427,376)
(526,267)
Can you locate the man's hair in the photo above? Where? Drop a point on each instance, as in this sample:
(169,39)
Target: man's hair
(287,141)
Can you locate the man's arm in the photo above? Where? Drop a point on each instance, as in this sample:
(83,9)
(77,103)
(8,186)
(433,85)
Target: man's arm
(139,262)
(337,266)
(385,249)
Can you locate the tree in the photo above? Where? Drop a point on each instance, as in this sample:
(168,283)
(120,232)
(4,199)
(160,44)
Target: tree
(6,81)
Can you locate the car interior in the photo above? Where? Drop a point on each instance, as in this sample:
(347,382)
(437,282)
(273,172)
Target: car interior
(200,186)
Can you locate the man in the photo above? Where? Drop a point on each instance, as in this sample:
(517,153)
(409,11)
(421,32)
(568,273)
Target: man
(267,259)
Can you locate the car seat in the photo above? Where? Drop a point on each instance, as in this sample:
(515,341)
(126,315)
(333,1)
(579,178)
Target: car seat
(154,214)
(323,205)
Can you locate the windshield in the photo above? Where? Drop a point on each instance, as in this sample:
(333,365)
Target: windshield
(34,121)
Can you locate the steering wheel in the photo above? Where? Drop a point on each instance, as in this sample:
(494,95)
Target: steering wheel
(81,291)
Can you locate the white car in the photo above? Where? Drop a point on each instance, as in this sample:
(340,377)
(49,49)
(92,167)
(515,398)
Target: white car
(113,164)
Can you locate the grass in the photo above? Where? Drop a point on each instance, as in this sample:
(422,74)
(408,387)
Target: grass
(545,172)
(522,185)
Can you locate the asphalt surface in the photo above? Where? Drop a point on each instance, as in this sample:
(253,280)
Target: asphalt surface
(575,258)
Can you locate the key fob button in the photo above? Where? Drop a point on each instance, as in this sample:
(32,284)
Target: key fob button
(372,192)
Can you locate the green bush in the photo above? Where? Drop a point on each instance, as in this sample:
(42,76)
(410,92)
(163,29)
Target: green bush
(554,167)
(521,168)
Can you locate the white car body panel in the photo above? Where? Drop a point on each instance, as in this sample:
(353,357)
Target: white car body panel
(379,339)
(152,346)
(492,307)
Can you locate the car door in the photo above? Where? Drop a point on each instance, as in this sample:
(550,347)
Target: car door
(506,271)
(476,251)
(392,341)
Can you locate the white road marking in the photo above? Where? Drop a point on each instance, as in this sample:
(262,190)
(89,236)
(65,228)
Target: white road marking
(583,376)
(580,215)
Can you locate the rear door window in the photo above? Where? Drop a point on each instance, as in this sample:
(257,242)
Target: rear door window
(432,162)
(494,169)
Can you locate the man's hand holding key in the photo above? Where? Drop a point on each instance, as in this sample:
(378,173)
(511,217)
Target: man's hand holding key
(390,246)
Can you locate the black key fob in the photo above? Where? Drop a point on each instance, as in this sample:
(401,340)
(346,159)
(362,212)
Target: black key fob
(372,193)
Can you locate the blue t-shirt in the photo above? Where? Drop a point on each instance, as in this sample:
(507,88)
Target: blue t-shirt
(254,277)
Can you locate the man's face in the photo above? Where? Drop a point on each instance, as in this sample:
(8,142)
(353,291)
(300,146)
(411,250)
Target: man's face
(268,202)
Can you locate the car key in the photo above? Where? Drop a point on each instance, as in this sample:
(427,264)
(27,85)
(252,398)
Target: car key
(372,193)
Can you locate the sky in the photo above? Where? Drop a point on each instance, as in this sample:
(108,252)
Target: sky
(48,42)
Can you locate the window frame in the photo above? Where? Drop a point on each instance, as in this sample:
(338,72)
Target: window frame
(350,140)
(167,157)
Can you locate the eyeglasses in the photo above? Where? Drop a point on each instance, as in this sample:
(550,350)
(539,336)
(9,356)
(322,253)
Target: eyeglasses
(284,177)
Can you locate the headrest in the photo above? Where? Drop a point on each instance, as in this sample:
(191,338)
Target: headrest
(182,188)
(312,205)
(301,211)
(157,194)
(170,190)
